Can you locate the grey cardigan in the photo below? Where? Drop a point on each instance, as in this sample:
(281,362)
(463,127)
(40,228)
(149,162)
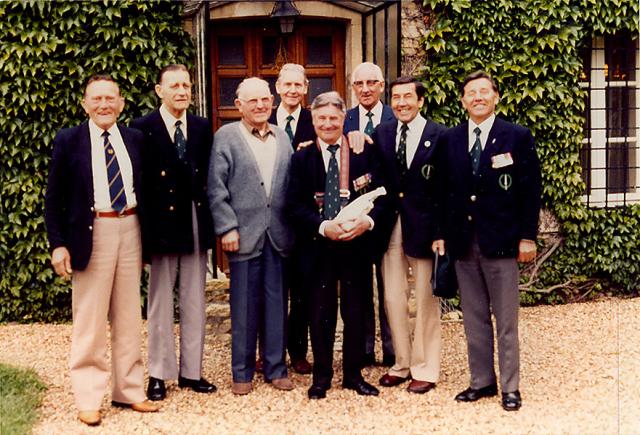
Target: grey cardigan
(237,197)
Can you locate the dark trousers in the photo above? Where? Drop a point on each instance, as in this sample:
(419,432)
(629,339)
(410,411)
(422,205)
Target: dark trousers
(258,296)
(298,325)
(370,317)
(338,263)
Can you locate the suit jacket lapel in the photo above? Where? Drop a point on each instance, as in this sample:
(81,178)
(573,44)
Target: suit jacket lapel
(428,136)
(494,143)
(84,153)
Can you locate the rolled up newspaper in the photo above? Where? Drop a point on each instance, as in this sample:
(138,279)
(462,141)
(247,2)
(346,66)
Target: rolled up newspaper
(360,206)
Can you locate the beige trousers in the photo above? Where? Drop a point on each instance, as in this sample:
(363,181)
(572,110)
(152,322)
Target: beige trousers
(108,289)
(420,357)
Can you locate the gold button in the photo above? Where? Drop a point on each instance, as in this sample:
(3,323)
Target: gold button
(469,218)
(110,151)
(162,173)
(171,208)
(473,198)
(401,194)
(170,190)
(90,228)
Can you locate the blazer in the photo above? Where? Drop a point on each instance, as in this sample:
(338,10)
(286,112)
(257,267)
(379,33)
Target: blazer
(171,186)
(69,198)
(352,120)
(415,197)
(237,197)
(501,205)
(304,129)
(308,177)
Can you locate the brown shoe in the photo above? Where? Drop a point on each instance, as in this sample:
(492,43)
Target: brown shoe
(392,381)
(144,406)
(90,418)
(241,388)
(301,366)
(284,384)
(420,387)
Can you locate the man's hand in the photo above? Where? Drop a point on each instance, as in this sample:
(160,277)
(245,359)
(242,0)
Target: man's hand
(526,251)
(231,241)
(333,230)
(357,140)
(354,227)
(61,262)
(438,245)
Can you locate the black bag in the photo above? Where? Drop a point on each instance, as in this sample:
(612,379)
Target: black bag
(443,280)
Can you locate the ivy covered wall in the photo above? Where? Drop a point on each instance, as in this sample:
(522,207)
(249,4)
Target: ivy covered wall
(532,50)
(47,52)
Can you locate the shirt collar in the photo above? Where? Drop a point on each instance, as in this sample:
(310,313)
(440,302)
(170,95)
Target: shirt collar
(376,110)
(415,125)
(169,119)
(282,112)
(484,126)
(324,145)
(94,130)
(257,134)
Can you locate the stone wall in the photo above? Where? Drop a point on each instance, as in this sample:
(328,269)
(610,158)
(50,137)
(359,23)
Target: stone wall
(415,21)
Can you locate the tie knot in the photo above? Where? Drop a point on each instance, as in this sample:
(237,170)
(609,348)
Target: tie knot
(178,123)
(404,128)
(105,134)
(477,131)
(290,118)
(369,115)
(333,148)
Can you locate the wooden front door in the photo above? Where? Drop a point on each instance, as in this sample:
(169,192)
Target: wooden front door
(246,48)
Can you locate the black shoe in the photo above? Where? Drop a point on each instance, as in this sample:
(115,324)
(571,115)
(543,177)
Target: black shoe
(156,389)
(317,392)
(369,360)
(388,360)
(199,386)
(362,388)
(511,401)
(472,394)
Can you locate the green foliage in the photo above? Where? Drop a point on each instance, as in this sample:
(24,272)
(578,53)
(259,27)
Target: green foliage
(20,396)
(48,51)
(532,48)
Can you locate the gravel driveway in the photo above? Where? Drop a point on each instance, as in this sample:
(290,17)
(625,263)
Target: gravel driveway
(580,375)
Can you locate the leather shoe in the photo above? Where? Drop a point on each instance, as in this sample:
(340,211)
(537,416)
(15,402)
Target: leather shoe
(392,381)
(511,401)
(369,360)
(156,389)
(317,392)
(199,386)
(241,388)
(144,406)
(301,366)
(90,418)
(388,360)
(361,387)
(473,394)
(420,387)
(283,384)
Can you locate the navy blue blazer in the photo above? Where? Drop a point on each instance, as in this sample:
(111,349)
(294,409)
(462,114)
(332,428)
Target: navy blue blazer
(69,199)
(502,204)
(170,187)
(352,121)
(414,197)
(304,129)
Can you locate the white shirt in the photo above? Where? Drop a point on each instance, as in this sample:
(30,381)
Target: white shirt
(416,127)
(170,122)
(101,195)
(485,128)
(264,153)
(281,117)
(376,118)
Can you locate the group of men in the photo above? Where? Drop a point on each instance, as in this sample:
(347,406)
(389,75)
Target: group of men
(272,186)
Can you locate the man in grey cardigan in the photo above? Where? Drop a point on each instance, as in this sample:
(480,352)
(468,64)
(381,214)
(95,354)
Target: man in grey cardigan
(248,175)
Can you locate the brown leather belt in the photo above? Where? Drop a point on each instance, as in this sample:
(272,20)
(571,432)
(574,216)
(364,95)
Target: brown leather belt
(114,214)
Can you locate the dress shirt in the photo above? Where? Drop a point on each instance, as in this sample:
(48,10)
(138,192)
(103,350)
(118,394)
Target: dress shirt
(101,195)
(485,128)
(264,152)
(170,122)
(281,117)
(416,126)
(376,118)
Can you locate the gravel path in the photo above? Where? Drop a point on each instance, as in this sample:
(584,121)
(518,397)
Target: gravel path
(580,375)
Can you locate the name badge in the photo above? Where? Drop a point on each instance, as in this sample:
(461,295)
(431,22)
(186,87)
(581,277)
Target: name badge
(501,160)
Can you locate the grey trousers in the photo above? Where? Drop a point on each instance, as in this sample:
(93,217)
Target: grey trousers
(490,285)
(165,269)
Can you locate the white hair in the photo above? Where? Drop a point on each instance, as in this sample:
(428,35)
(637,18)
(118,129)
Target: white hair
(365,65)
(251,80)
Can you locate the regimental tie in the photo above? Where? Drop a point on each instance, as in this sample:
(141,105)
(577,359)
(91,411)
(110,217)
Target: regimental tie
(332,186)
(180,141)
(116,186)
(287,128)
(368,130)
(401,153)
(476,150)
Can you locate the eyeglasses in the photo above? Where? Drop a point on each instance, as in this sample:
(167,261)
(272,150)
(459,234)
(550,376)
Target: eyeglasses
(254,101)
(370,83)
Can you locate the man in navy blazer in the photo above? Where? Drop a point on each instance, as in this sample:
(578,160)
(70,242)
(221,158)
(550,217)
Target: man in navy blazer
(324,177)
(91,206)
(408,149)
(178,232)
(367,83)
(492,202)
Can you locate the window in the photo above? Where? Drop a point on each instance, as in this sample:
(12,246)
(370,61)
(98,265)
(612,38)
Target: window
(610,154)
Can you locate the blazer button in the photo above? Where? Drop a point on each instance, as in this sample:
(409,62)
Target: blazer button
(469,218)
(90,227)
(401,194)
(92,209)
(199,204)
(162,173)
(170,208)
(473,198)
(170,190)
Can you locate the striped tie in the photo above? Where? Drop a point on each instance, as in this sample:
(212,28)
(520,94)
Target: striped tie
(116,187)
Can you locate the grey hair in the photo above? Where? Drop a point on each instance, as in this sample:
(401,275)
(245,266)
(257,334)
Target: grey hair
(364,65)
(250,80)
(295,68)
(331,98)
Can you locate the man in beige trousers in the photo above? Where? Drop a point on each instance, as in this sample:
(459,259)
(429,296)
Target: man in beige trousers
(94,234)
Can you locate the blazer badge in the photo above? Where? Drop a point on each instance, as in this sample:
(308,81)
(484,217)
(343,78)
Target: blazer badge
(427,171)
